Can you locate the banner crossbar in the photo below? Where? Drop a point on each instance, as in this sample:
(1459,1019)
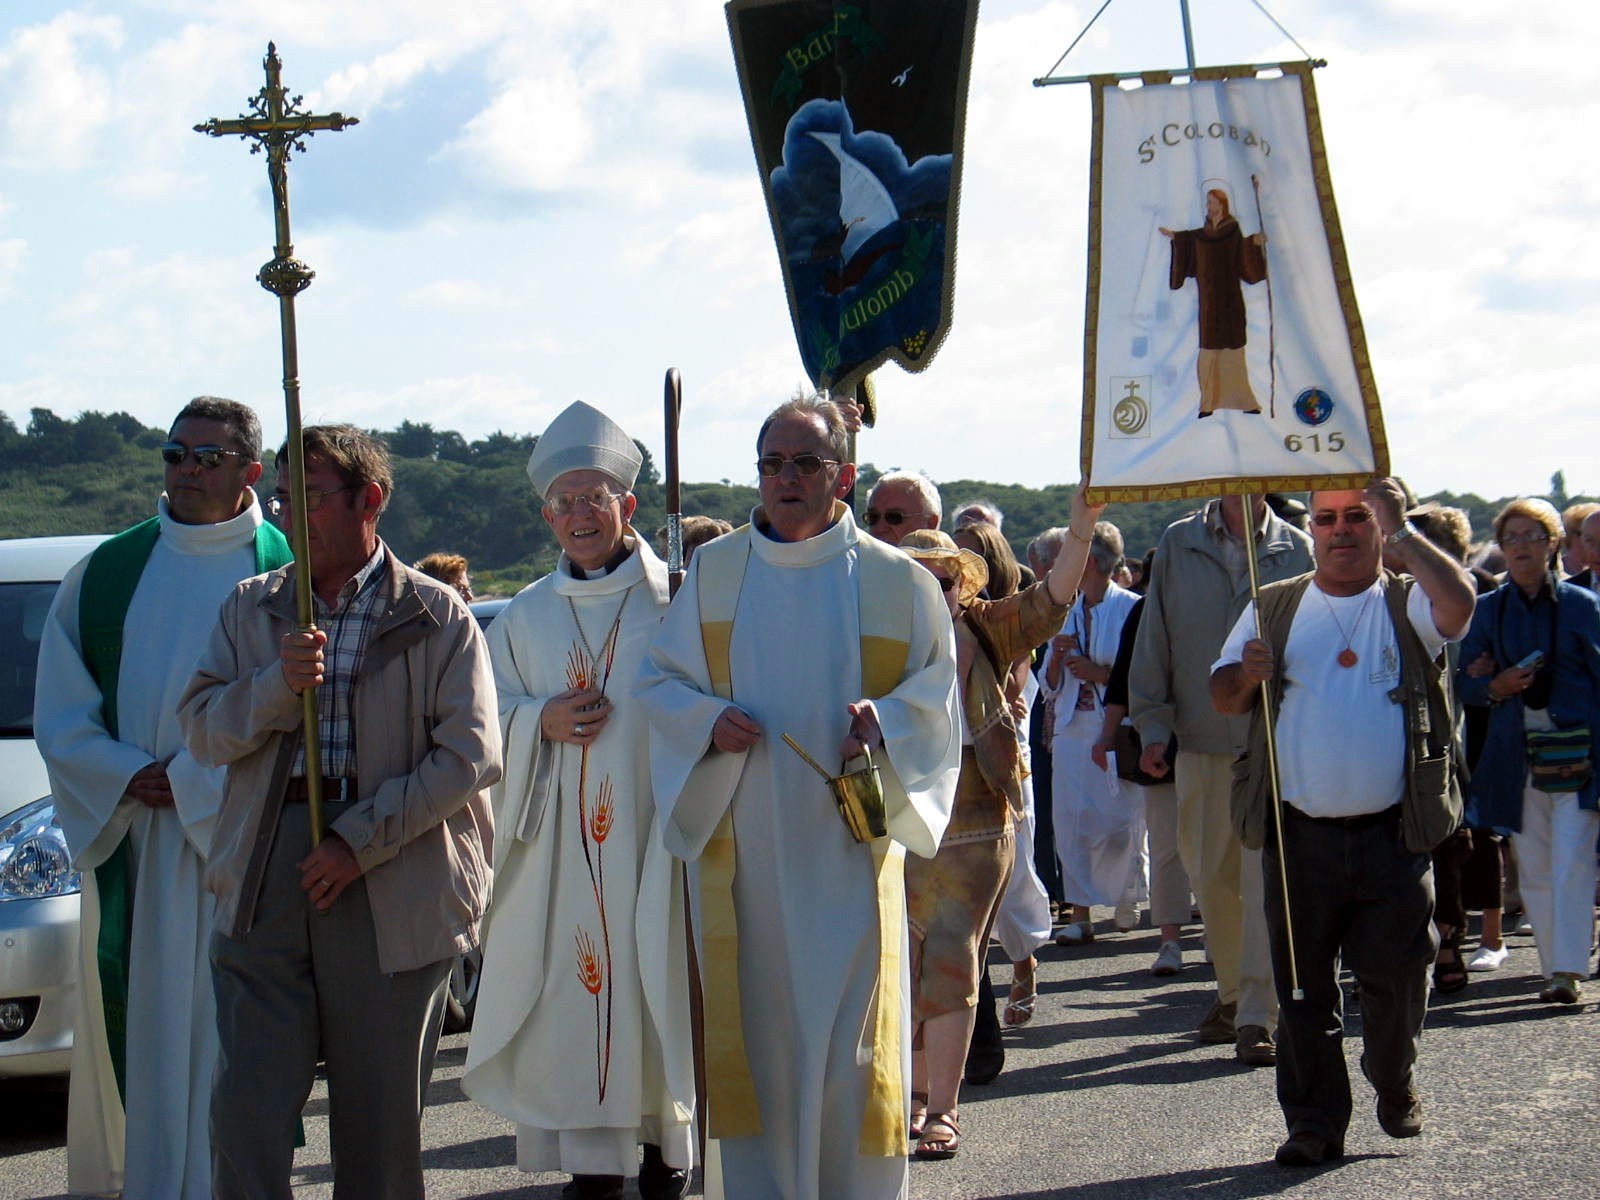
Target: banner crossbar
(1181,74)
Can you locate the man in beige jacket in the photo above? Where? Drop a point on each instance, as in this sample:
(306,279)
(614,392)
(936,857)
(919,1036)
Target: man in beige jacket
(343,951)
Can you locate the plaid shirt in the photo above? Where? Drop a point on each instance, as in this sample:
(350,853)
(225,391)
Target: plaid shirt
(348,625)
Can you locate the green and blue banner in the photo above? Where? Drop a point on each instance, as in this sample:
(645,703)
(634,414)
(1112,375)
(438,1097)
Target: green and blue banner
(856,113)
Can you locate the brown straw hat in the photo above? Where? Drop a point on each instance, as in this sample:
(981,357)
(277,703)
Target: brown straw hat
(935,546)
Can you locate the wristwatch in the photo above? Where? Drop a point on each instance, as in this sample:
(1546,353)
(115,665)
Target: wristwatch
(1408,530)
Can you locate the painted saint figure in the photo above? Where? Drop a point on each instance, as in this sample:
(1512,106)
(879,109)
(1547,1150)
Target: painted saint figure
(1220,259)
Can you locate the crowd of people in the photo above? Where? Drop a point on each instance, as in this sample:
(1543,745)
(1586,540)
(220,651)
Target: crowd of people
(747,846)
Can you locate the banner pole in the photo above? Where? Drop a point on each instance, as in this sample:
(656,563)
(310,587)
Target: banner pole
(1270,720)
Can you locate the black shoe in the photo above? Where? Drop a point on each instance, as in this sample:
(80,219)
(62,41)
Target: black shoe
(657,1181)
(594,1187)
(1402,1116)
(984,1065)
(986,1053)
(1307,1149)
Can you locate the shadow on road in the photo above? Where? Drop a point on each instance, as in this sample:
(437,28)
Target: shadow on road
(1237,1183)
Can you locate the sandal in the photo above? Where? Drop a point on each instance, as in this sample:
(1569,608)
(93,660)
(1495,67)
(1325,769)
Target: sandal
(1449,971)
(919,1116)
(941,1137)
(1024,994)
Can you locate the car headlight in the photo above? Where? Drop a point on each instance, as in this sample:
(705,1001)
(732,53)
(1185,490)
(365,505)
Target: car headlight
(34,860)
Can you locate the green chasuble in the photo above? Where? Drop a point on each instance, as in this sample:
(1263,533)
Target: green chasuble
(109,582)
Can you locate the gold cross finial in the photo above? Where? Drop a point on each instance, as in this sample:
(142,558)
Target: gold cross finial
(278,124)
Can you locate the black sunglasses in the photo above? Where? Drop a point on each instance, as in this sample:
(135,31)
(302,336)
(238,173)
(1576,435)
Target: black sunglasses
(806,465)
(892,517)
(209,457)
(1352,516)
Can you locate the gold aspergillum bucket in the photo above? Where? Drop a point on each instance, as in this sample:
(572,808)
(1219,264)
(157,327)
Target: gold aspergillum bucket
(857,793)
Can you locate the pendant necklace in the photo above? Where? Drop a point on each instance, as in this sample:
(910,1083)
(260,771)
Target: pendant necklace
(1347,656)
(594,677)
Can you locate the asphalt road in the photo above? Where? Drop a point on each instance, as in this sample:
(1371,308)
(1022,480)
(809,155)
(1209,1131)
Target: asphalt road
(1106,1096)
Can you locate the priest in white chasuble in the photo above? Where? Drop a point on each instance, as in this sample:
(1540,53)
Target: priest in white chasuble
(582,1032)
(120,645)
(799,625)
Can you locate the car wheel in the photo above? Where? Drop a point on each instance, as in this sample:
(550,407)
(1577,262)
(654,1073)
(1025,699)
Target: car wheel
(463,996)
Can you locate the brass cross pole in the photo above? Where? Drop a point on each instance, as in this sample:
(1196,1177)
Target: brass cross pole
(279,126)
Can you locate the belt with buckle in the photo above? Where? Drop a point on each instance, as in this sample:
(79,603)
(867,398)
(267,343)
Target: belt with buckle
(339,789)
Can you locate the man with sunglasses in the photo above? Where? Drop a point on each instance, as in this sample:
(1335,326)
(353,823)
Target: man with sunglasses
(340,948)
(797,626)
(138,810)
(899,503)
(1353,656)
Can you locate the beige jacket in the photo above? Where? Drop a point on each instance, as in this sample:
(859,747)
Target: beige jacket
(428,747)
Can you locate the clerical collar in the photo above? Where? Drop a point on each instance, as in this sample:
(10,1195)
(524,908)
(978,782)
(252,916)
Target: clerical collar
(624,552)
(237,530)
(762,523)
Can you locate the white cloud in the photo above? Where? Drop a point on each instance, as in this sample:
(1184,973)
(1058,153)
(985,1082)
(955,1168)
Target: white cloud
(54,101)
(534,136)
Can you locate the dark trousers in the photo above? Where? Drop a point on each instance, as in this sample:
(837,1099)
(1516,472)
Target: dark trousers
(1356,893)
(1044,820)
(1450,858)
(300,986)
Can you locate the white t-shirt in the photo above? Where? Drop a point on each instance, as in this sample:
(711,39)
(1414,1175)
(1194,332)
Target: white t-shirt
(1341,739)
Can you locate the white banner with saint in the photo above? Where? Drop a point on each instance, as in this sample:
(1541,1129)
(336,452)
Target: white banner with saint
(1223,351)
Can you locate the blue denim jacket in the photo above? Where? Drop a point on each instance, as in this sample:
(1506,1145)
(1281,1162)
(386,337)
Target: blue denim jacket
(1509,628)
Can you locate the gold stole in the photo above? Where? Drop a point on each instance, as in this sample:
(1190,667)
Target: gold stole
(885,626)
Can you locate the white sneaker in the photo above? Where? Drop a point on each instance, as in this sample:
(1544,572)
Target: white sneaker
(1127,917)
(1487,959)
(1169,959)
(1524,926)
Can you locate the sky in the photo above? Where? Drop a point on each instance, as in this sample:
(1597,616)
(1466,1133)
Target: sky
(550,200)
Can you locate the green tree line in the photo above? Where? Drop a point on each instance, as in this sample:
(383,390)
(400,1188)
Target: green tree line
(100,472)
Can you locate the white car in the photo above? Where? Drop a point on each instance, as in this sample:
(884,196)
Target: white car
(39,890)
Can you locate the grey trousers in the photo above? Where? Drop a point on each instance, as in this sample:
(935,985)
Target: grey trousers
(300,986)
(1355,893)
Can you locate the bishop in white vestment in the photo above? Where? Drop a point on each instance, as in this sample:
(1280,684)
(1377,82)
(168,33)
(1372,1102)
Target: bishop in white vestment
(582,1033)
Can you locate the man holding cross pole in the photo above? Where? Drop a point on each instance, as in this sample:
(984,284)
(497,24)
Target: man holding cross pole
(1351,656)
(340,948)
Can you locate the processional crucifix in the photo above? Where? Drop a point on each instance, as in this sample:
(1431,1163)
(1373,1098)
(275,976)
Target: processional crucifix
(279,126)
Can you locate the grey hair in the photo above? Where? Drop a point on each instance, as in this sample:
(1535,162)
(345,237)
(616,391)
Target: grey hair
(240,419)
(990,513)
(1106,547)
(1048,543)
(918,482)
(812,407)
